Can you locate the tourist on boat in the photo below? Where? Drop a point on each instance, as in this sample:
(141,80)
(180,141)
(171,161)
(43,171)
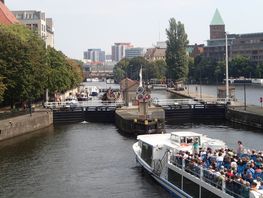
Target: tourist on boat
(254,193)
(196,147)
(240,148)
(261,185)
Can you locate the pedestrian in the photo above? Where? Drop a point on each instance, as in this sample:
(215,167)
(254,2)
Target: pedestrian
(240,149)
(196,146)
(254,193)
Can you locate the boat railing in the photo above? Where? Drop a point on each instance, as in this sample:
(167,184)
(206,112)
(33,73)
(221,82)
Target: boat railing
(159,164)
(211,177)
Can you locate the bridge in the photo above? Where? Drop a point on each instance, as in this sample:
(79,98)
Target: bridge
(99,111)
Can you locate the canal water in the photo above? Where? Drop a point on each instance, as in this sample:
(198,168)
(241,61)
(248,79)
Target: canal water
(92,160)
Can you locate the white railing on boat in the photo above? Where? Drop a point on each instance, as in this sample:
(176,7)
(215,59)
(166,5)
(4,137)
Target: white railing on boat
(230,187)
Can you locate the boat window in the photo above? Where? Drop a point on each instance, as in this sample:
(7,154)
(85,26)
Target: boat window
(174,178)
(207,193)
(175,138)
(189,140)
(146,154)
(191,188)
(183,140)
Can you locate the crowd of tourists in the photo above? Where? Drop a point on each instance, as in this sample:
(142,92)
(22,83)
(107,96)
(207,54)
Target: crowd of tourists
(241,171)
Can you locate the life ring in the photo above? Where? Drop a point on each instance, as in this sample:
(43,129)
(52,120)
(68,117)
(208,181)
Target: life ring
(139,97)
(140,90)
(147,96)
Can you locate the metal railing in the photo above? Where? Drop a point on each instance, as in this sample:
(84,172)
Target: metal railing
(229,186)
(159,164)
(90,103)
(161,102)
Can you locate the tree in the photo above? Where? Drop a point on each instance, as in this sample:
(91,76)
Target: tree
(2,89)
(64,73)
(176,56)
(22,53)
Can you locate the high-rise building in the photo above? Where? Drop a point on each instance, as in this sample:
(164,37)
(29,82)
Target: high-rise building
(37,21)
(6,16)
(118,50)
(95,55)
(134,52)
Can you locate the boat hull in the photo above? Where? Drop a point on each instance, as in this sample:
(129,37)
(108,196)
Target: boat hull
(175,192)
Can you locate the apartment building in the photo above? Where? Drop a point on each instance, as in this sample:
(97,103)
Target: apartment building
(37,21)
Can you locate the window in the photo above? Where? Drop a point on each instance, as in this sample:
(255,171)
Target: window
(147,153)
(174,178)
(207,193)
(191,188)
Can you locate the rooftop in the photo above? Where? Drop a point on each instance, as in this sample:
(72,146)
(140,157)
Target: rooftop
(217,19)
(6,16)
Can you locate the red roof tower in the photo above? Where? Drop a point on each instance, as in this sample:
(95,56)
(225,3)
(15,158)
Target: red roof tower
(6,16)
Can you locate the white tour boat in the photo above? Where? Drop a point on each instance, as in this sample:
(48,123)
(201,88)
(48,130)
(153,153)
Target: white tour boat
(161,156)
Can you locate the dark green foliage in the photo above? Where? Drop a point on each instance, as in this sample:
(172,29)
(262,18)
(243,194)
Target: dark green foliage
(212,72)
(28,68)
(176,56)
(131,69)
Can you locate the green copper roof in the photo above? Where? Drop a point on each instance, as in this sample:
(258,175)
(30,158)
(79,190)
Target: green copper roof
(217,19)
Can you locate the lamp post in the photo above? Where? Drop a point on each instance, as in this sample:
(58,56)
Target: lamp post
(200,83)
(227,85)
(245,97)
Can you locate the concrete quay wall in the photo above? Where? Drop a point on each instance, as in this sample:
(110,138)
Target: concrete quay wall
(247,118)
(20,125)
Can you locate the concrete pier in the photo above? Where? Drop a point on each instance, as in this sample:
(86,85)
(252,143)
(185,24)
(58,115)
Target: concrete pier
(20,125)
(128,120)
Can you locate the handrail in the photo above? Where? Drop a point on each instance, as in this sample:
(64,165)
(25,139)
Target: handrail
(90,103)
(159,164)
(211,178)
(158,101)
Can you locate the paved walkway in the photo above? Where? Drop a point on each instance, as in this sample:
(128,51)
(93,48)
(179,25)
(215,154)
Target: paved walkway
(249,109)
(236,105)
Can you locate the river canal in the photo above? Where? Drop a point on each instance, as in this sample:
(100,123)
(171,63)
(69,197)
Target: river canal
(92,160)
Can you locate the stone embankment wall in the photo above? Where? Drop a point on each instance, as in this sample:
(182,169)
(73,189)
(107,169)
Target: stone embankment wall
(246,118)
(20,125)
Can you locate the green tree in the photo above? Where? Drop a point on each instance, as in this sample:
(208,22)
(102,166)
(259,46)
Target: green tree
(120,69)
(2,89)
(64,73)
(22,53)
(159,69)
(176,55)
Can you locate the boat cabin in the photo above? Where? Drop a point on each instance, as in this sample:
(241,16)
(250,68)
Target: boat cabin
(185,138)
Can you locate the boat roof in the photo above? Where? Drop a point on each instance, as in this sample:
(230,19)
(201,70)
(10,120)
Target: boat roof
(160,139)
(186,134)
(155,139)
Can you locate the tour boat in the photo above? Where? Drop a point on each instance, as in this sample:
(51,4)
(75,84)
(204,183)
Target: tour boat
(159,154)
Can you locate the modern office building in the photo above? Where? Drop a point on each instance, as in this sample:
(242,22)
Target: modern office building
(6,16)
(134,52)
(249,45)
(95,55)
(118,50)
(37,21)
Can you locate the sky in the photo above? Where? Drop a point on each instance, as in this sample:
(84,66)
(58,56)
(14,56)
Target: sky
(83,24)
